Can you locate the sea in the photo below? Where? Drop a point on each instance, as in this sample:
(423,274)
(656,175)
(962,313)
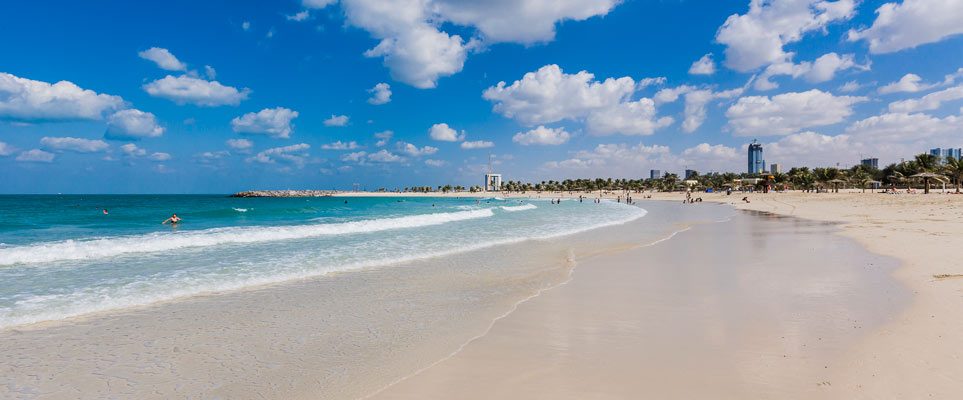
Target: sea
(67,256)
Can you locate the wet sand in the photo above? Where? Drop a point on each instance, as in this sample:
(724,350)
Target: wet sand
(760,306)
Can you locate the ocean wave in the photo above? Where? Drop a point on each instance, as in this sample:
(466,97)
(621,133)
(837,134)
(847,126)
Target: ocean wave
(519,208)
(158,242)
(238,209)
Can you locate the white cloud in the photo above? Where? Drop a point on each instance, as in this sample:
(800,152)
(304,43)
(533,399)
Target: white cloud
(905,128)
(909,83)
(822,70)
(24,99)
(383,137)
(380,94)
(336,120)
(695,106)
(612,160)
(444,133)
(715,151)
(295,154)
(550,95)
(73,144)
(186,89)
(246,25)
(788,113)
(240,144)
(630,118)
(384,156)
(542,136)
(850,87)
(317,4)
(132,124)
(210,72)
(210,157)
(414,151)
(931,101)
(300,16)
(646,82)
(160,156)
(478,144)
(35,155)
(132,150)
(339,145)
(910,24)
(814,150)
(163,58)
(6,149)
(275,122)
(756,39)
(703,66)
(435,163)
(418,52)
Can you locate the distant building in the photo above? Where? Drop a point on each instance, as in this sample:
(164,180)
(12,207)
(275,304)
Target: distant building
(870,163)
(943,154)
(775,168)
(690,173)
(493,182)
(655,174)
(756,163)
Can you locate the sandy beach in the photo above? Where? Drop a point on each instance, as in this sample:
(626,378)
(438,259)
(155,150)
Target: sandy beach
(852,295)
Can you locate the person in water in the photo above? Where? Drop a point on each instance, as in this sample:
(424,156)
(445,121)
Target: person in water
(174,219)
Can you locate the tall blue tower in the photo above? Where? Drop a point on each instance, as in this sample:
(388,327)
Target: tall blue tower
(756,163)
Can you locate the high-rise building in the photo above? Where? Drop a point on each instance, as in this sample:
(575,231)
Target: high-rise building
(942,154)
(870,163)
(775,168)
(690,173)
(655,174)
(756,163)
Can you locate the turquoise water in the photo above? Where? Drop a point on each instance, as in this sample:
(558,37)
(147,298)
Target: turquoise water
(61,256)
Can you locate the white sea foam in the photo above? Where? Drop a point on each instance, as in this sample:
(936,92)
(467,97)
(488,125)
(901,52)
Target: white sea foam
(238,209)
(157,242)
(519,208)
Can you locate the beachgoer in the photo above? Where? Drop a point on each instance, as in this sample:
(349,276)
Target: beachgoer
(105,211)
(173,220)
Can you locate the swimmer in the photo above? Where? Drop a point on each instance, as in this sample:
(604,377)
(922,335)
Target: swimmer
(105,211)
(173,220)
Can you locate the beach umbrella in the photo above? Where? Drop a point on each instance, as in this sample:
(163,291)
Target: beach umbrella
(836,183)
(926,176)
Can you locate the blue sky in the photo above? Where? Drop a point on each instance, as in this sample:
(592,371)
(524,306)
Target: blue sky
(129,97)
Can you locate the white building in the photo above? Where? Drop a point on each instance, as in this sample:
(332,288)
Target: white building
(493,182)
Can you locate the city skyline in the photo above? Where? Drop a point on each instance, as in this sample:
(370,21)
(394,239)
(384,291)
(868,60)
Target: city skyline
(118,97)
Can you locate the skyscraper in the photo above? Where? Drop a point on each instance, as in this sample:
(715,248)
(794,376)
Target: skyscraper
(655,174)
(775,168)
(756,163)
(942,154)
(870,163)
(690,173)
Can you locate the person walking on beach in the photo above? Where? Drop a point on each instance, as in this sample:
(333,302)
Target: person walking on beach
(173,220)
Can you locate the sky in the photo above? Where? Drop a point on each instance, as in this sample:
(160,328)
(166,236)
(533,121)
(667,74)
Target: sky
(222,96)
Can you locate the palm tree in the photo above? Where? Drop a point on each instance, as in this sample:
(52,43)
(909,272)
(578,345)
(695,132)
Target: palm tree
(954,169)
(926,163)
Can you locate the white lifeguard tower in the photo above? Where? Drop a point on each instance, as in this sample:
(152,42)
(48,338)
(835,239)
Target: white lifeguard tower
(493,181)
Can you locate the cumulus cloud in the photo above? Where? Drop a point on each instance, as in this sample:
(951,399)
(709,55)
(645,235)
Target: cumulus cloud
(415,151)
(163,58)
(380,94)
(629,118)
(823,69)
(317,4)
(300,16)
(612,159)
(336,120)
(435,163)
(6,149)
(339,145)
(36,156)
(696,100)
(158,156)
(357,156)
(417,52)
(477,144)
(444,133)
(73,144)
(131,150)
(788,113)
(132,124)
(907,128)
(275,122)
(240,144)
(24,99)
(757,38)
(814,150)
(384,156)
(542,136)
(383,137)
(931,101)
(295,154)
(911,23)
(186,89)
(707,150)
(909,83)
(703,66)
(550,95)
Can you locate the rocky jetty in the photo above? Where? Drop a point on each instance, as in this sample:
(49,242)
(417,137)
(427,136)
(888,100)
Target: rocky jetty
(284,193)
